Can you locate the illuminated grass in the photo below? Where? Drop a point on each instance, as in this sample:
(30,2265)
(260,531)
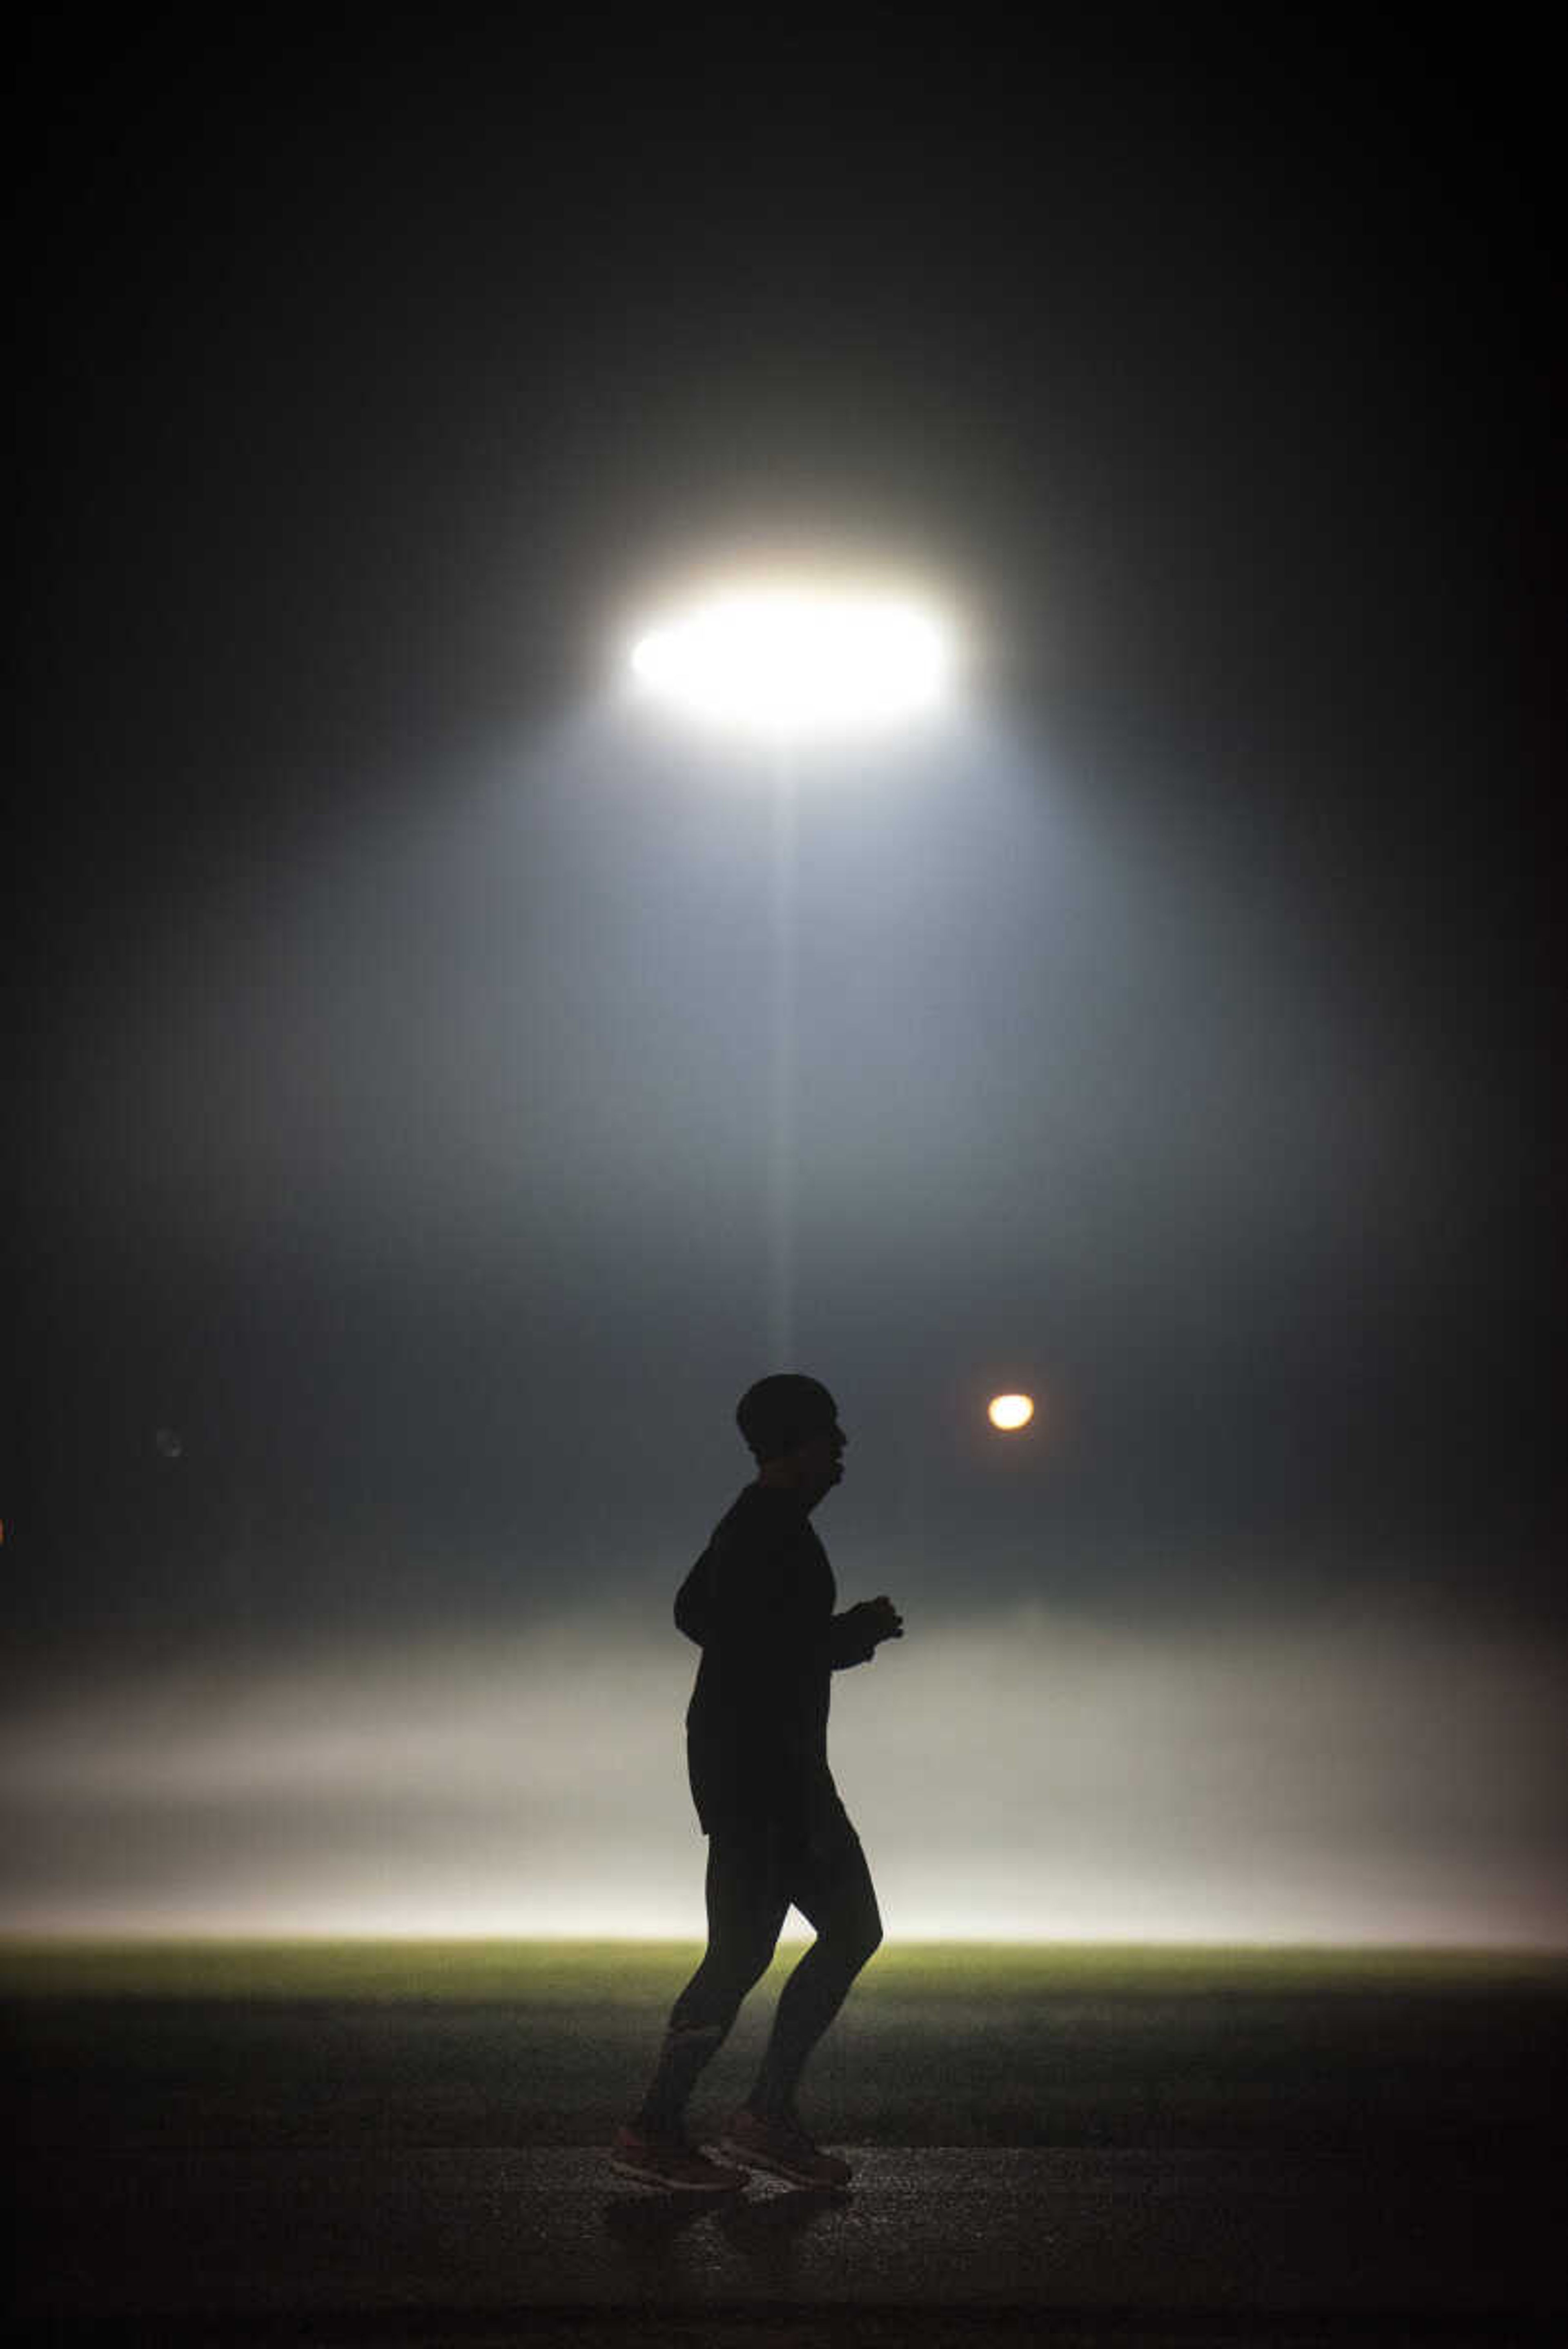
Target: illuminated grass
(640,1973)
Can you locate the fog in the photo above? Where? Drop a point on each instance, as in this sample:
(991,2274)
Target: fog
(1025,1774)
(436,1092)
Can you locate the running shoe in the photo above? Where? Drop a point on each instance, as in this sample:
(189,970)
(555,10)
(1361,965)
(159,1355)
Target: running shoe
(781,2146)
(670,2164)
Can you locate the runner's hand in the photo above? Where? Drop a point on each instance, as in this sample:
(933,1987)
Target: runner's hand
(878,1618)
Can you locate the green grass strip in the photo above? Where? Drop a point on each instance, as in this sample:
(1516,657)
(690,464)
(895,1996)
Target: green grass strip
(639,1972)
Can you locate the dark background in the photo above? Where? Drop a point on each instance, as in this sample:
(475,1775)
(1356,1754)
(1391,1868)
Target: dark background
(391,1006)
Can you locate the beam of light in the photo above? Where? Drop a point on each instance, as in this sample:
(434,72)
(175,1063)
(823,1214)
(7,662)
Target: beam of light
(781,1120)
(794,660)
(1009,1412)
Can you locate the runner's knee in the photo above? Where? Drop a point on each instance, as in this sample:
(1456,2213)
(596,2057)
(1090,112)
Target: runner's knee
(853,1941)
(868,1940)
(729,1970)
(747,1962)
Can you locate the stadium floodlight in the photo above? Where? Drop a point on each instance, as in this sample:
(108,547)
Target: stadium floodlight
(788,660)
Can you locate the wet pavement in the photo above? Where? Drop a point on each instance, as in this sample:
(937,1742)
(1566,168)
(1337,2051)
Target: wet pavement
(456,2243)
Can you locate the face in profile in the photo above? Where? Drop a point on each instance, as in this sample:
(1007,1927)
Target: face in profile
(819,1462)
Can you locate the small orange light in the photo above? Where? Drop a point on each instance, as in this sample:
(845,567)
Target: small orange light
(1009,1412)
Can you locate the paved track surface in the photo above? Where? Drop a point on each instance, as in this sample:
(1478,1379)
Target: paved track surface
(989,2244)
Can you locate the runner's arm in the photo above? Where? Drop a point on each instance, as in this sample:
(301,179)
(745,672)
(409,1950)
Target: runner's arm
(848,1641)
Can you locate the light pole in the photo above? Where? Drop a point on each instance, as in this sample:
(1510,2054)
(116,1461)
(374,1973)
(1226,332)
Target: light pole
(788,662)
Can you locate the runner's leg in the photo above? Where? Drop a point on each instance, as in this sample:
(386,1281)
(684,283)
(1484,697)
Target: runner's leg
(746,1904)
(831,1885)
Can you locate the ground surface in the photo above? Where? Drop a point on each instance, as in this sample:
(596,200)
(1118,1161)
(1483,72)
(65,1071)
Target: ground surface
(367,2145)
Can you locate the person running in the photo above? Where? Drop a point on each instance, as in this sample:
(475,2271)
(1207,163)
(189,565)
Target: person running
(759,1603)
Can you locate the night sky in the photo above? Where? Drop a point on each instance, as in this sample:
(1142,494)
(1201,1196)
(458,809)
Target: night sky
(389,1127)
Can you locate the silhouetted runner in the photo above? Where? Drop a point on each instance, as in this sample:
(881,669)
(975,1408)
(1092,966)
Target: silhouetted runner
(759,1603)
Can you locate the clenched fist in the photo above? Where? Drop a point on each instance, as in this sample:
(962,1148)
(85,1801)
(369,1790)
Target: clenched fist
(878,1619)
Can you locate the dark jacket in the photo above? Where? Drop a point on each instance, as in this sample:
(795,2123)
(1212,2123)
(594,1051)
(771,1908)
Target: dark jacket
(759,1603)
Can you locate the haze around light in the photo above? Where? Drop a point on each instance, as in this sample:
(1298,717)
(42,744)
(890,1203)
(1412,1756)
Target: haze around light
(381,1642)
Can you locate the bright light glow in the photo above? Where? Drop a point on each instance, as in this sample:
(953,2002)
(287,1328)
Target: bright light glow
(1305,1779)
(789,660)
(1010,1412)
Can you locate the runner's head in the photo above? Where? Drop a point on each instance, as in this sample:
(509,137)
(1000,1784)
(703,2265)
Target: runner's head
(791,1424)
(778,1414)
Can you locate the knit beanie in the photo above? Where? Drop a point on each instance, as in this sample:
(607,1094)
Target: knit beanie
(781,1412)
